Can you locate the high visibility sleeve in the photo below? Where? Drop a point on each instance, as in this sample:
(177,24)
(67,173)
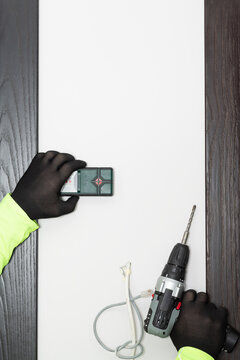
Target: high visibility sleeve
(190,353)
(15,227)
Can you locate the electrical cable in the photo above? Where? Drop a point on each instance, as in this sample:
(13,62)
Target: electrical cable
(126,272)
(136,345)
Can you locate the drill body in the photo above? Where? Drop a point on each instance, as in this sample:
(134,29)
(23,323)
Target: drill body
(166,301)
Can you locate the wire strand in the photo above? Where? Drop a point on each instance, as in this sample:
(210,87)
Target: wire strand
(138,346)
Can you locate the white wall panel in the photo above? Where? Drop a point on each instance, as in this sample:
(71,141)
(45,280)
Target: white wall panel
(121,85)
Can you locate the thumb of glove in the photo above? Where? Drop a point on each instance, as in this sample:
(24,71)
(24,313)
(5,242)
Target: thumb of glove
(66,207)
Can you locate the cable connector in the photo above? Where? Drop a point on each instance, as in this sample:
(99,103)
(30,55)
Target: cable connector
(146,293)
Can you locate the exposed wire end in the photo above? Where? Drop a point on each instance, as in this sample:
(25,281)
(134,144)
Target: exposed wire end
(126,269)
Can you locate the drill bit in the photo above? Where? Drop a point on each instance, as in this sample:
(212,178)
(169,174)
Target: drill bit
(186,232)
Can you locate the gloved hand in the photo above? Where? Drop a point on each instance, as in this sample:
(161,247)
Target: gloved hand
(200,324)
(38,191)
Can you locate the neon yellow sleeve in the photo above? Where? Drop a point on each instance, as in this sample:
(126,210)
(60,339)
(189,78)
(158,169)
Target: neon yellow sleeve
(190,353)
(15,227)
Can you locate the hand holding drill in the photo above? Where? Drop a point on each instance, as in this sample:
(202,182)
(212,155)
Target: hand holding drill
(200,324)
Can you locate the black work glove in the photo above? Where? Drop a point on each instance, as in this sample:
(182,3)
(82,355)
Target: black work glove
(200,324)
(38,191)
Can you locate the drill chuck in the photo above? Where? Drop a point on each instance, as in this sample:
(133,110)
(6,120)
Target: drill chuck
(177,262)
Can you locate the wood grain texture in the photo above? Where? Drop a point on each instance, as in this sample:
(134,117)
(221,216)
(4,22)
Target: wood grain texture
(18,145)
(222,45)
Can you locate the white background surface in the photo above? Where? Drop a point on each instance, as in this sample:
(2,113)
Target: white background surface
(121,85)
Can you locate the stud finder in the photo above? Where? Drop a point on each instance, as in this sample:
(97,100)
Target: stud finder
(89,182)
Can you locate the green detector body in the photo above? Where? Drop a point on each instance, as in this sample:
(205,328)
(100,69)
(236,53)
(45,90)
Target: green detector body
(90,181)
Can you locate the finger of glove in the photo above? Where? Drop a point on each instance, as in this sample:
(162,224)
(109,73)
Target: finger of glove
(60,159)
(189,296)
(222,313)
(50,155)
(36,159)
(67,169)
(212,306)
(66,207)
(39,155)
(202,297)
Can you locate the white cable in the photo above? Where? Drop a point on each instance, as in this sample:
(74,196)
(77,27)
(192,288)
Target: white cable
(134,344)
(126,271)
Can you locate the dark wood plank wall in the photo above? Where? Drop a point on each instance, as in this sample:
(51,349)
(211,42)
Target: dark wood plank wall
(222,45)
(18,145)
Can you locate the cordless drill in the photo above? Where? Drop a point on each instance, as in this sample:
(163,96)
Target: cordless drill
(166,300)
